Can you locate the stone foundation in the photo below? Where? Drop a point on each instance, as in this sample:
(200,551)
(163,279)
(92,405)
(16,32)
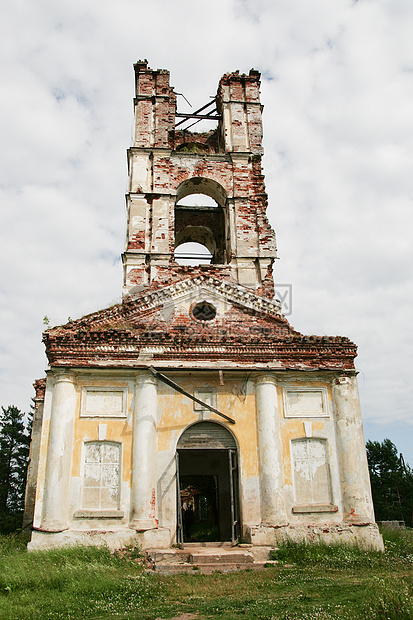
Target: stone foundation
(115,539)
(366,536)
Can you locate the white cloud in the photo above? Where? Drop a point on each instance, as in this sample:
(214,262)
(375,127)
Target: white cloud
(337,89)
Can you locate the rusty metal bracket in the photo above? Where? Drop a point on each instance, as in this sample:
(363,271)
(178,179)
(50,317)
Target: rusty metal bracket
(197,115)
(178,388)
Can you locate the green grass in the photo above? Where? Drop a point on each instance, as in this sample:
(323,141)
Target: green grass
(309,582)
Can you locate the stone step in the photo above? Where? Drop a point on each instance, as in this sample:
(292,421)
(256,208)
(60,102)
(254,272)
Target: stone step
(219,567)
(207,558)
(168,556)
(261,554)
(225,557)
(215,545)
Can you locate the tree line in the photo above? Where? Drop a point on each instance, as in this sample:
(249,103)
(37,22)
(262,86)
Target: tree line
(14,460)
(391,478)
(391,482)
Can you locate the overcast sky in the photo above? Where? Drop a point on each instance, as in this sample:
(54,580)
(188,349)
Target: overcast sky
(337,86)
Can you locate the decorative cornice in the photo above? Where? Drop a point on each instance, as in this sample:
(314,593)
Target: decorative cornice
(325,353)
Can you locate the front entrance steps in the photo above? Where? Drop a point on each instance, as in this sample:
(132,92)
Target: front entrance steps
(208,558)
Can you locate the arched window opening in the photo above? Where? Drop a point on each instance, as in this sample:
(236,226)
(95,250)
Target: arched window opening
(198,200)
(202,185)
(207,435)
(200,220)
(192,254)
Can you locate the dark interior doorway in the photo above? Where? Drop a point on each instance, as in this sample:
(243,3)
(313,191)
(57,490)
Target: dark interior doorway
(207,484)
(208,495)
(200,508)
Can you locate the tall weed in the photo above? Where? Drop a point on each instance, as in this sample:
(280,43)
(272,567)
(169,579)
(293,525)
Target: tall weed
(398,548)
(13,543)
(392,600)
(331,556)
(398,544)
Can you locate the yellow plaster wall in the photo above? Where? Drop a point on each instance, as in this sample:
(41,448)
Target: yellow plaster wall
(177,411)
(117,429)
(293,428)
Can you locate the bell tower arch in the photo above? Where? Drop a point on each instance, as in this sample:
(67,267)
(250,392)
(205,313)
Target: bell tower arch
(207,225)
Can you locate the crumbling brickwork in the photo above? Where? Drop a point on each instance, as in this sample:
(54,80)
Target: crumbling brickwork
(166,165)
(226,162)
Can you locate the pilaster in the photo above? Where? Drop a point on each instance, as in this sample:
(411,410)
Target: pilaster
(355,481)
(143,496)
(270,452)
(59,454)
(32,471)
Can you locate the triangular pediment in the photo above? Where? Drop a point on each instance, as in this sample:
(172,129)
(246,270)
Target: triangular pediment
(177,300)
(181,296)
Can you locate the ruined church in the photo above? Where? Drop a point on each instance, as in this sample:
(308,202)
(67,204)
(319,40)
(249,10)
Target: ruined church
(193,411)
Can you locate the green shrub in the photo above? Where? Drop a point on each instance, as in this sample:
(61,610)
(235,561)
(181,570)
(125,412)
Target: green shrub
(10,522)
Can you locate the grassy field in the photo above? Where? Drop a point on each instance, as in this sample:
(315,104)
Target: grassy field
(309,582)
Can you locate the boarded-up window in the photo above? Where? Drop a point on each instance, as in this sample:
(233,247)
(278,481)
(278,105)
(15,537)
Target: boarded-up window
(101,470)
(311,471)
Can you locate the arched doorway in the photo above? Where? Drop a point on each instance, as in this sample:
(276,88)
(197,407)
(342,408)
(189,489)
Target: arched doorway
(207,484)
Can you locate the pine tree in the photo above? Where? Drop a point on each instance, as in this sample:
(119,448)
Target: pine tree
(14,458)
(391,482)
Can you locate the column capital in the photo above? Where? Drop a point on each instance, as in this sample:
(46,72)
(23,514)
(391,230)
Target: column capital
(60,376)
(266,378)
(144,376)
(342,379)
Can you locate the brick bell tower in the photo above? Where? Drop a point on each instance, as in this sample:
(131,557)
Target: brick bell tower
(167,164)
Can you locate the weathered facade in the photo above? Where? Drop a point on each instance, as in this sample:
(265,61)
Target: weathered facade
(193,410)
